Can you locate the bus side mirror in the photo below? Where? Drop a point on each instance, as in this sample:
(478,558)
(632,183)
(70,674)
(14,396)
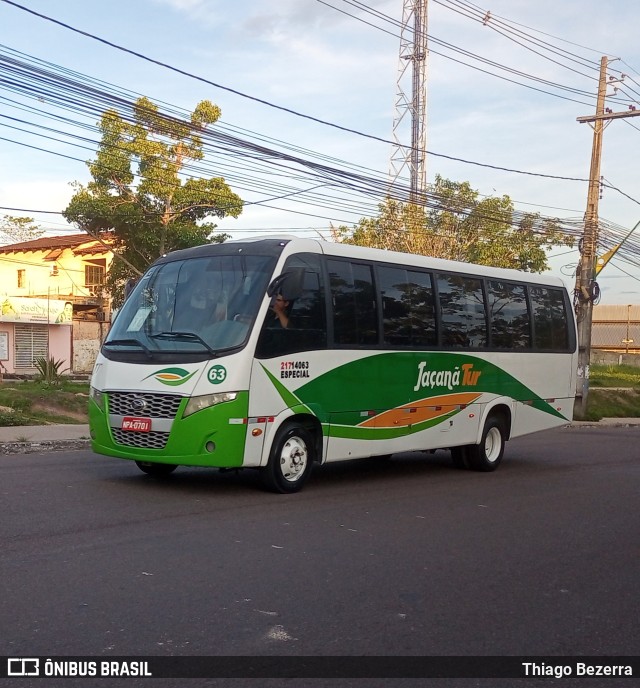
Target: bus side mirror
(289,284)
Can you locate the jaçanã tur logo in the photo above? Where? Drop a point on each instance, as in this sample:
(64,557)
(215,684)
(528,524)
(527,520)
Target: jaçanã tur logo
(172,376)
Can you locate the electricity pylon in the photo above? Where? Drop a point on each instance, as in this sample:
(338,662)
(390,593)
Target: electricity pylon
(408,158)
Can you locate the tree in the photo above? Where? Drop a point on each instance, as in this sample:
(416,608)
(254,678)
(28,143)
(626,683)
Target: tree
(459,226)
(15,230)
(139,194)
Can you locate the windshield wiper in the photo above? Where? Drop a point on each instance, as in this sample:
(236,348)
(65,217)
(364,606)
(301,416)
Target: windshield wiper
(185,335)
(137,342)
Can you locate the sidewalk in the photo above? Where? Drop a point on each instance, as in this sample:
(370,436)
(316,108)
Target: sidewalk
(44,433)
(22,439)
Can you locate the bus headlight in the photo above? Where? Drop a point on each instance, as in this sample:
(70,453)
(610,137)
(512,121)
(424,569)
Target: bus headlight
(206,400)
(98,397)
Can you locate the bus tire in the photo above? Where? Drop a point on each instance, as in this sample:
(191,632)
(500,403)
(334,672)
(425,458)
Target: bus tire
(290,461)
(459,457)
(487,455)
(157,470)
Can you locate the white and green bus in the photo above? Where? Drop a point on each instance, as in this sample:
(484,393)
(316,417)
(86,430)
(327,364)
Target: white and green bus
(279,353)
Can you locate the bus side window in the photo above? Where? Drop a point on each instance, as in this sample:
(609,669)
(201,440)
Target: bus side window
(462,309)
(355,320)
(307,328)
(408,315)
(307,317)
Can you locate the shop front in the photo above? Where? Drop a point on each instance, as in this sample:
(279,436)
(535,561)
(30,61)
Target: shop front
(31,328)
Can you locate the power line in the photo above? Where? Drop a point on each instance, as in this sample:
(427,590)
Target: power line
(183,72)
(68,94)
(505,27)
(121,101)
(466,53)
(542,33)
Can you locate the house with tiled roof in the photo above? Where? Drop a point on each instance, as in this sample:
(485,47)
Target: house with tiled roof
(52,301)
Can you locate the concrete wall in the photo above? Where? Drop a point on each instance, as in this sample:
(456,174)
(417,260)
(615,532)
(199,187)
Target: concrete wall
(88,336)
(613,358)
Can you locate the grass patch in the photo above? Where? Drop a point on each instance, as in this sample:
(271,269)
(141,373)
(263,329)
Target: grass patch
(614,392)
(10,420)
(37,403)
(611,403)
(614,376)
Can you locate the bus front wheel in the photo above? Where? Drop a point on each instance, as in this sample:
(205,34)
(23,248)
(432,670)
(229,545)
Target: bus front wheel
(487,455)
(157,470)
(290,461)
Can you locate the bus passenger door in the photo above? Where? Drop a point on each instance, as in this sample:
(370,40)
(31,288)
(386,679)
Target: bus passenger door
(356,378)
(290,350)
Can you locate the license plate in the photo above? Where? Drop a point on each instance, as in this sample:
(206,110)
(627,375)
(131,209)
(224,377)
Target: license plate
(132,424)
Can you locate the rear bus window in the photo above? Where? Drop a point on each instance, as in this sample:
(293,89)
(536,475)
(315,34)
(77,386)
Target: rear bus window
(550,326)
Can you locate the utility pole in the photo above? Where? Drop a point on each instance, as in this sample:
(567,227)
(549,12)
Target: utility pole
(586,273)
(585,289)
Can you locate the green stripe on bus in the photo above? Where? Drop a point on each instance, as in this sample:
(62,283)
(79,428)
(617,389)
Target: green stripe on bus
(390,380)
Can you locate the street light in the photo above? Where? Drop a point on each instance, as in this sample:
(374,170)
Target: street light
(628,340)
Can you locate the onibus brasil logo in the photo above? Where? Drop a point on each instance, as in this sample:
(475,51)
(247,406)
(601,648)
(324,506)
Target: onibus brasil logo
(172,376)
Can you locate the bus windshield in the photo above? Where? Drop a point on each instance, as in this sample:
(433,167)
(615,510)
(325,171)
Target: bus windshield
(191,309)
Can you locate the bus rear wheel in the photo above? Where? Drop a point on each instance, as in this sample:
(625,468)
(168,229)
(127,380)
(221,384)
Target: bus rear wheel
(290,461)
(487,455)
(157,470)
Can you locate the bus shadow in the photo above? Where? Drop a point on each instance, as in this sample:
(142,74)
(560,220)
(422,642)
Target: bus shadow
(406,466)
(403,465)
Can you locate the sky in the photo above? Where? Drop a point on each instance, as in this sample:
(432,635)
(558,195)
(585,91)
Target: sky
(276,68)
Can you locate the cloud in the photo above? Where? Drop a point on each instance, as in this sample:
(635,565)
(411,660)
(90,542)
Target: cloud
(207,12)
(305,16)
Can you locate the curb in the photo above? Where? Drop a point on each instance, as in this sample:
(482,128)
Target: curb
(595,424)
(605,423)
(7,448)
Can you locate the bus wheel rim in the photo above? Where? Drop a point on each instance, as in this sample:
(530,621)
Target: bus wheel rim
(493,445)
(293,459)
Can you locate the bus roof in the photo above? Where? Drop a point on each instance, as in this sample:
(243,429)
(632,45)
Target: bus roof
(275,244)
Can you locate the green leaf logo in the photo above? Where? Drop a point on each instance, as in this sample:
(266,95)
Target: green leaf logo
(172,376)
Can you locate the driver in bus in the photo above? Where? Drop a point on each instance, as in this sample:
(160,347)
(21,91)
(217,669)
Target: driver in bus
(280,308)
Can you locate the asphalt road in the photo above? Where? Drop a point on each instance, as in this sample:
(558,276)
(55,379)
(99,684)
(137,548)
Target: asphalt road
(404,557)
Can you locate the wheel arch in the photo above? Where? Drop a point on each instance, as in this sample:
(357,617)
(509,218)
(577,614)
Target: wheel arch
(306,420)
(501,409)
